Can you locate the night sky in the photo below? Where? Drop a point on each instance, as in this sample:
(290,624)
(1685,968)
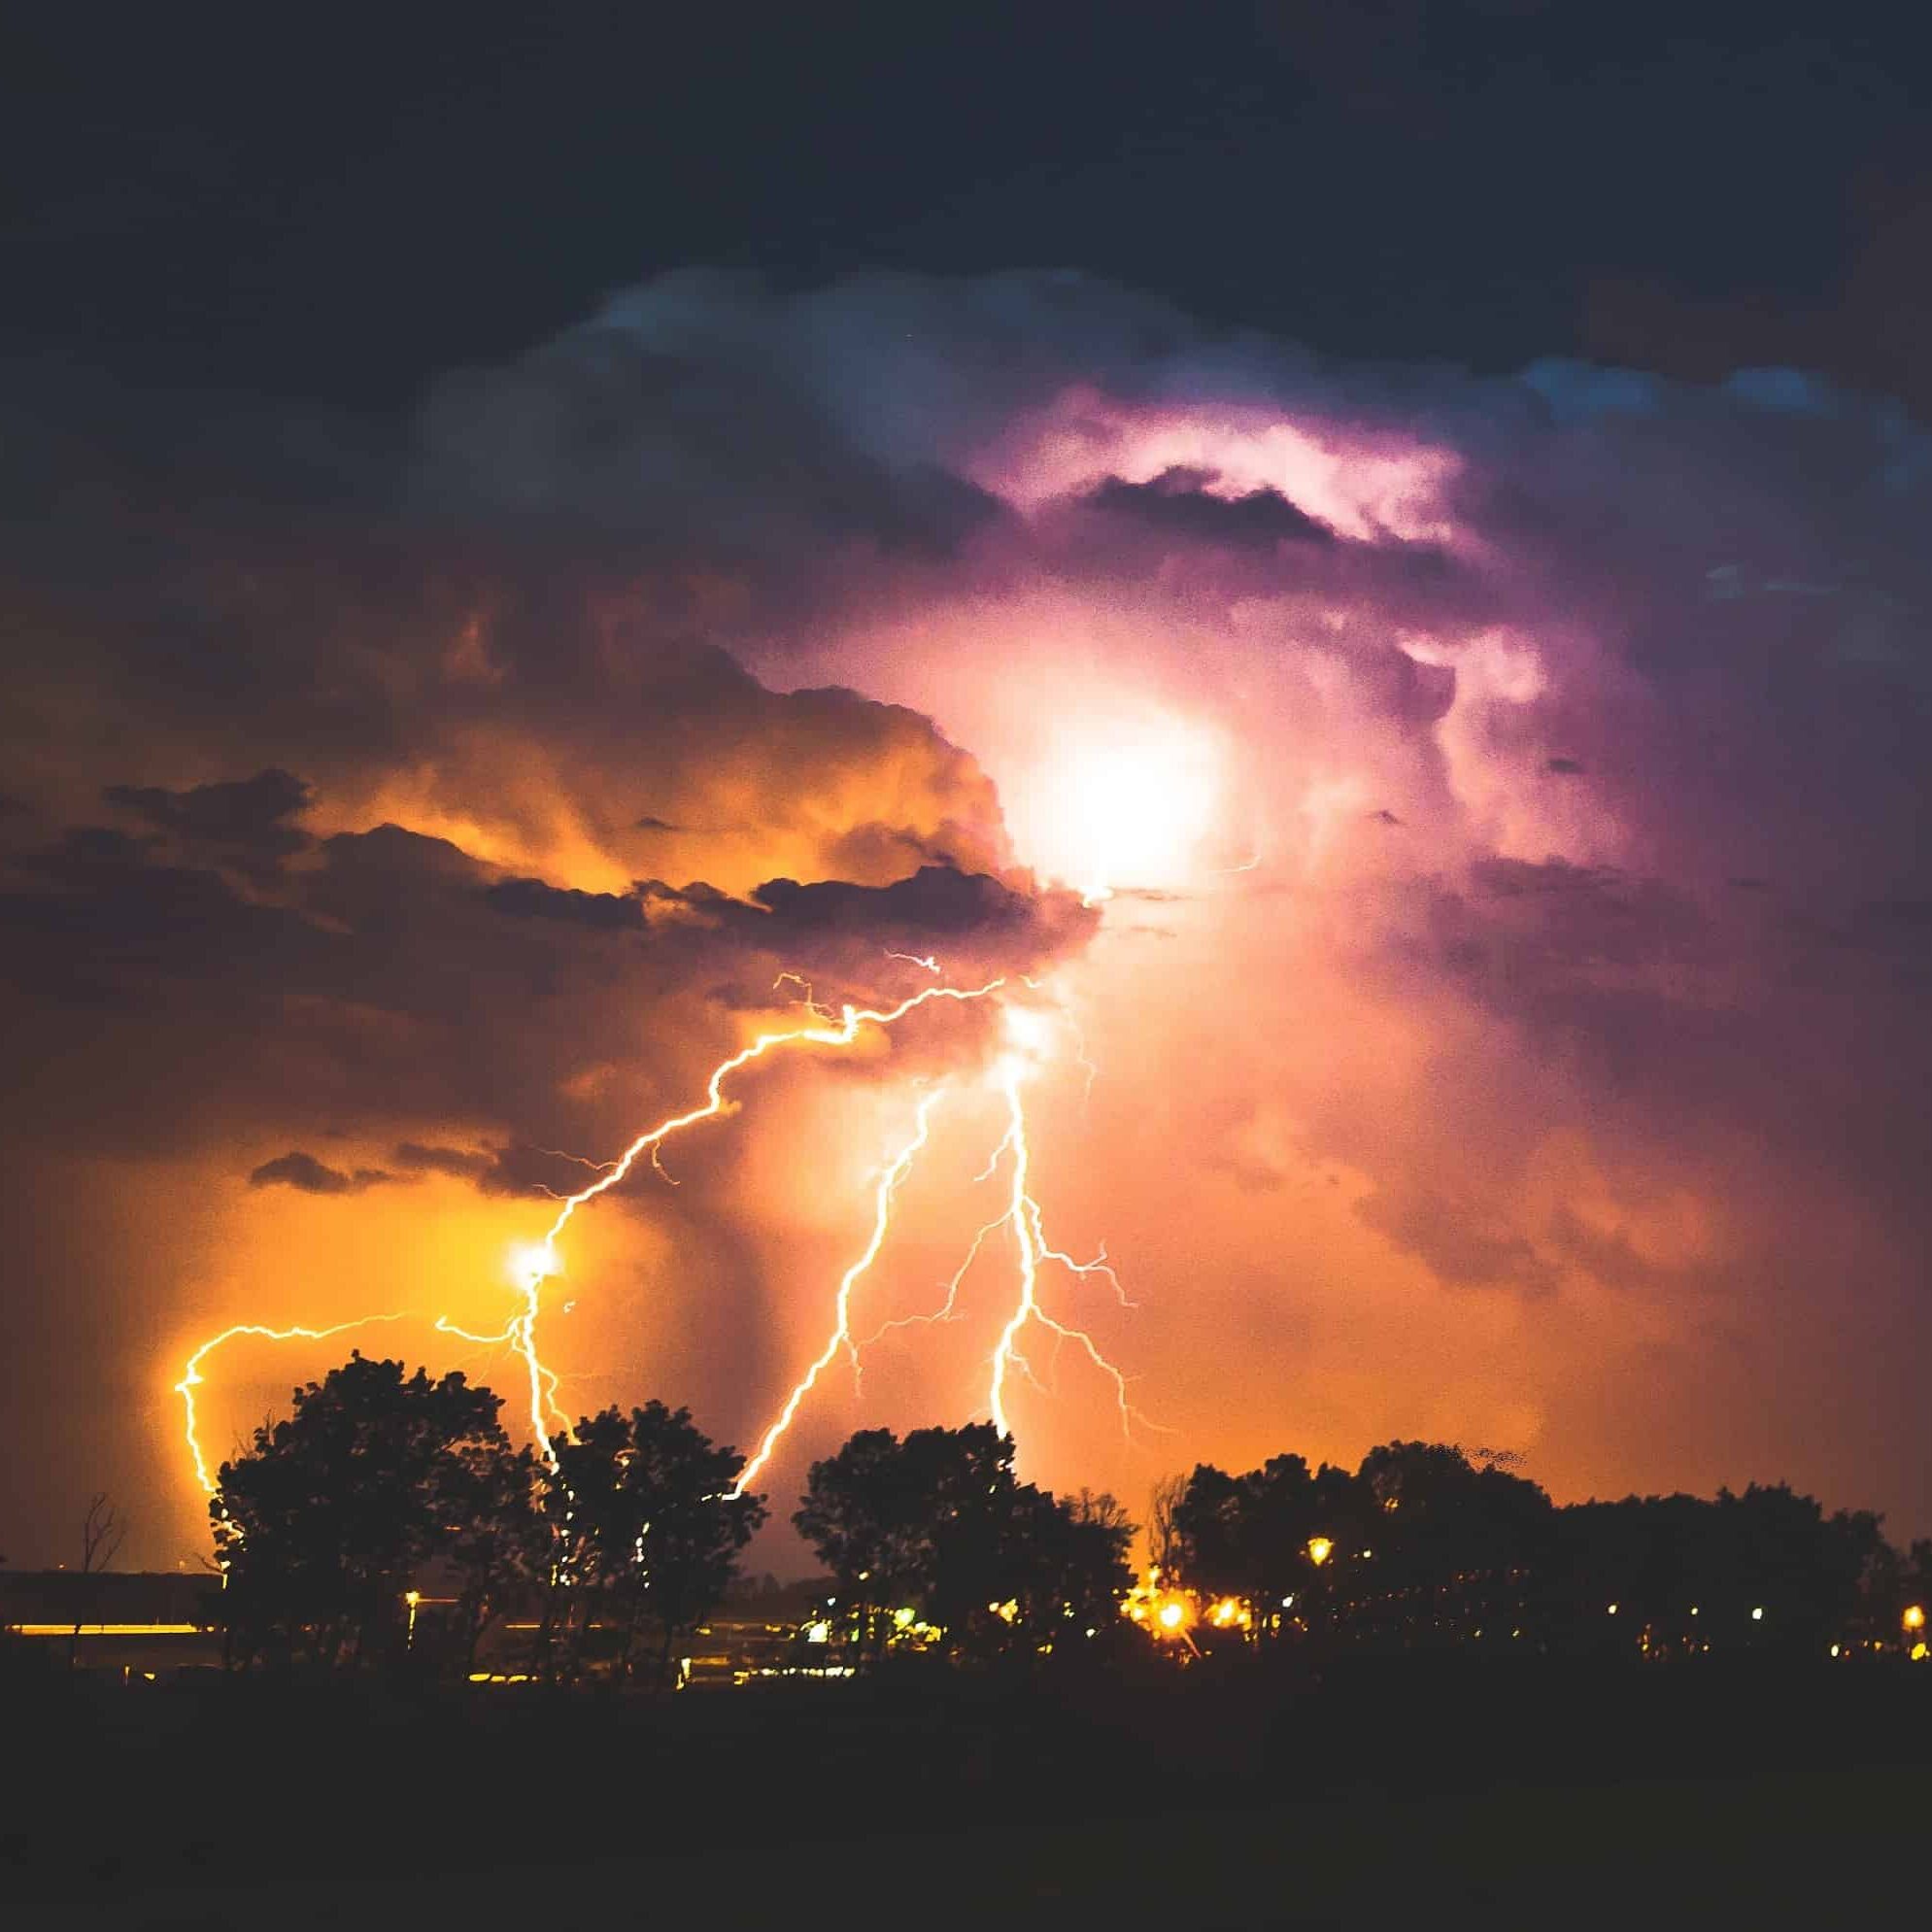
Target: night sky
(1423,506)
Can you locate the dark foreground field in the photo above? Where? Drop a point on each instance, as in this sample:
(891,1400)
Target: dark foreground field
(1380,1796)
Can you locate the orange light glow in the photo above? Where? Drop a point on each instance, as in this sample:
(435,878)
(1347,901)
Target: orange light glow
(1320,1549)
(105,1629)
(1914,1617)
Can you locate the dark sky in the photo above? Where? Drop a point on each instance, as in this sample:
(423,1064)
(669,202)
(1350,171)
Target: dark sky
(337,203)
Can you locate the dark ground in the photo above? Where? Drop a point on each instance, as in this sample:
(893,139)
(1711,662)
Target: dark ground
(1462,1793)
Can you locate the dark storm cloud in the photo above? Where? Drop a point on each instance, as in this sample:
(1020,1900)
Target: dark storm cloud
(604,912)
(688,436)
(458,1163)
(1177,504)
(244,815)
(308,1175)
(936,904)
(511,1170)
(361,971)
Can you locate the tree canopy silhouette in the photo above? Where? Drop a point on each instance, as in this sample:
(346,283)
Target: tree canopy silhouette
(323,1525)
(648,1533)
(939,1525)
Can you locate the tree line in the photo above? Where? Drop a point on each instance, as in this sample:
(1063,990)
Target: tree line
(329,1527)
(381,1490)
(1425,1546)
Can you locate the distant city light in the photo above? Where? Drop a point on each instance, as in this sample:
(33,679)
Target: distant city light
(1758,1615)
(1914,1617)
(1320,1549)
(1612,1612)
(817,1633)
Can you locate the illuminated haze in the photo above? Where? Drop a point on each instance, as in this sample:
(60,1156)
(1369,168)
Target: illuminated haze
(1500,802)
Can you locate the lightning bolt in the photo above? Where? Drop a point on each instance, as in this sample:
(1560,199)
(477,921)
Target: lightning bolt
(948,1310)
(1023,1215)
(841,1333)
(192,1378)
(538,1264)
(521,1332)
(542,1261)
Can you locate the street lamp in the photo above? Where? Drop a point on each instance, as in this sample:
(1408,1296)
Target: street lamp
(1320,1549)
(412,1598)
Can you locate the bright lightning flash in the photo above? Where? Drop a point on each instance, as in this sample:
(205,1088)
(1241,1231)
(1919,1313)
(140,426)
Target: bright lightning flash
(1028,1033)
(192,1378)
(841,1334)
(1028,1040)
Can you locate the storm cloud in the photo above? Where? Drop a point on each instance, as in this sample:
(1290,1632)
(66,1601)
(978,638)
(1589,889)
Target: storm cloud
(1537,1050)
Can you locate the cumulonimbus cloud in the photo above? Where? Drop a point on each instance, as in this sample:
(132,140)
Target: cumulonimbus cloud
(1548,975)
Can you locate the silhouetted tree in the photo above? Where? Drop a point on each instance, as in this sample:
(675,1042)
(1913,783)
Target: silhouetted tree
(866,1515)
(650,1534)
(1162,1535)
(501,1547)
(1248,1538)
(102,1533)
(1458,1549)
(1686,1572)
(322,1524)
(1066,1568)
(938,1523)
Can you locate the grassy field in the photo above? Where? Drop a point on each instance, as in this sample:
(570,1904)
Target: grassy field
(1392,1798)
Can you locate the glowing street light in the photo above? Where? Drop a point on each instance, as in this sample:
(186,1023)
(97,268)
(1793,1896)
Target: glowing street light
(1320,1549)
(412,1598)
(1173,1617)
(1914,1617)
